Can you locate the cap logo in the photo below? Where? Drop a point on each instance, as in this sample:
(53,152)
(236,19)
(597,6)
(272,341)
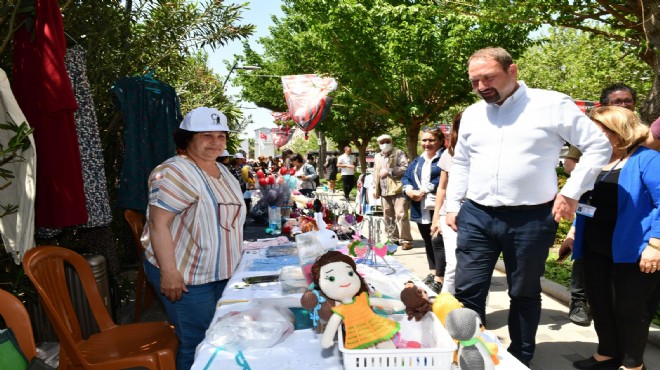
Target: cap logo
(215,119)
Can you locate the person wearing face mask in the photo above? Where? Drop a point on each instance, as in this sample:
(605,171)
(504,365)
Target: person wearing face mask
(389,167)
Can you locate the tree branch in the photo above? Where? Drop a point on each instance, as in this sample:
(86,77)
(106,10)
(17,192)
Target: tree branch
(10,27)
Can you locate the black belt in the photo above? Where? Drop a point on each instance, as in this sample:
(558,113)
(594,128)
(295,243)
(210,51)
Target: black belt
(512,208)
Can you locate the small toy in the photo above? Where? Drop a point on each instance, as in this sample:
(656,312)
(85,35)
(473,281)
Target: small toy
(465,326)
(335,274)
(319,306)
(416,301)
(443,304)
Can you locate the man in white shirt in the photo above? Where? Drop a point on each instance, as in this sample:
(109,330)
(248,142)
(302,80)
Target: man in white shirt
(504,165)
(347,168)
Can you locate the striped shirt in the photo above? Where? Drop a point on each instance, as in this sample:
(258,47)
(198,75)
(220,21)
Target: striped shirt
(208,225)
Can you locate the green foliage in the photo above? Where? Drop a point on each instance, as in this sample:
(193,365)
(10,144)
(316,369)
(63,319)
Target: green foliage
(559,272)
(625,21)
(398,63)
(302,146)
(580,64)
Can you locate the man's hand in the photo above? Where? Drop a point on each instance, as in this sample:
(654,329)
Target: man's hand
(451,220)
(564,208)
(384,173)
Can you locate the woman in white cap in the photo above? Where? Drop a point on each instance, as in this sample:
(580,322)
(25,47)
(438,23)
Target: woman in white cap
(194,232)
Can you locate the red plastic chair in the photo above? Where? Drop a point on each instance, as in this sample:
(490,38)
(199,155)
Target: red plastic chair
(17,318)
(152,345)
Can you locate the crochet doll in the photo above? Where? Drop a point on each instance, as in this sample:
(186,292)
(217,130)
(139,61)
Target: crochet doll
(335,274)
(465,326)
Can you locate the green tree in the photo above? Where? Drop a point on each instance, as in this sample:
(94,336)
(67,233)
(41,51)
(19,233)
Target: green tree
(581,64)
(399,64)
(633,22)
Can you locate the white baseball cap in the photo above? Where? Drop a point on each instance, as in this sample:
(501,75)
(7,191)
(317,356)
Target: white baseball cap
(204,119)
(239,155)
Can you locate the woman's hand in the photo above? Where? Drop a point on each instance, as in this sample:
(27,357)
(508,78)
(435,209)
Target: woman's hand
(171,285)
(650,260)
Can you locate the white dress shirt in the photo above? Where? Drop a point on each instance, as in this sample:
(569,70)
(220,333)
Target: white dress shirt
(506,154)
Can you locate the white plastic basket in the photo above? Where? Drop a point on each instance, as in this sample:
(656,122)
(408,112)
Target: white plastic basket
(438,354)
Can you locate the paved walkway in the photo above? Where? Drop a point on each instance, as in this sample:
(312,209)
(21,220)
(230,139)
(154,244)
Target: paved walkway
(559,342)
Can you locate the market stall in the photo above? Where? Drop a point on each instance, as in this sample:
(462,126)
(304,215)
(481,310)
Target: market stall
(300,349)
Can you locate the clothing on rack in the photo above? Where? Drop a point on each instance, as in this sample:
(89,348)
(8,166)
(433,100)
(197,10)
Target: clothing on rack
(91,151)
(17,229)
(151,114)
(43,91)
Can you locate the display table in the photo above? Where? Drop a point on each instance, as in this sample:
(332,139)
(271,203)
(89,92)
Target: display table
(302,349)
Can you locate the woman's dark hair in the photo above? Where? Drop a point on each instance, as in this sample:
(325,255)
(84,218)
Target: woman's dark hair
(298,158)
(335,256)
(453,136)
(182,138)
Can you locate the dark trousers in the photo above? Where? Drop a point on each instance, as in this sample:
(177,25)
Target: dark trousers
(348,182)
(620,296)
(435,249)
(523,237)
(576,287)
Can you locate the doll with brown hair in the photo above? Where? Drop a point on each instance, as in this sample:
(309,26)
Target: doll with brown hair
(335,274)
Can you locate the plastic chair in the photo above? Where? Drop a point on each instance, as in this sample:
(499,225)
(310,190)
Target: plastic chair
(152,345)
(16,317)
(143,289)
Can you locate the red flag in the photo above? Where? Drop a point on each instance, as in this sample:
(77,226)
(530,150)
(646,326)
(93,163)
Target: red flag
(262,136)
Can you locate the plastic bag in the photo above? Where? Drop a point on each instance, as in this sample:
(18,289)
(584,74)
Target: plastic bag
(257,327)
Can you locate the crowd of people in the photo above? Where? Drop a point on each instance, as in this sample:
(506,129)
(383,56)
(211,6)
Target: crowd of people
(502,199)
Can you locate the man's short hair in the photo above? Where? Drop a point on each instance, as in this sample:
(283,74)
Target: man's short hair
(605,94)
(498,54)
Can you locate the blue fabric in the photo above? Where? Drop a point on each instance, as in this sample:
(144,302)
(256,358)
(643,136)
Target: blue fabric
(191,316)
(638,217)
(409,179)
(151,113)
(523,238)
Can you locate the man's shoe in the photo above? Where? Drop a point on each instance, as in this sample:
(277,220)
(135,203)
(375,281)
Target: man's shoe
(593,364)
(580,313)
(406,246)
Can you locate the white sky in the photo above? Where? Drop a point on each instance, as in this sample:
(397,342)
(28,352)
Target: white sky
(258,13)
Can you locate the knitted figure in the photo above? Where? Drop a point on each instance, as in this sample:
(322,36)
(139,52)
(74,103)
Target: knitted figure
(416,301)
(335,274)
(320,308)
(465,326)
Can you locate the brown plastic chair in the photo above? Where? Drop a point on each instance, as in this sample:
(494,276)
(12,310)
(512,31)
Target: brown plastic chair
(16,317)
(136,222)
(152,345)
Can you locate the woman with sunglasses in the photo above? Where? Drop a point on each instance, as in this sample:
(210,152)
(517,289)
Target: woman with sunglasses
(618,237)
(194,231)
(420,184)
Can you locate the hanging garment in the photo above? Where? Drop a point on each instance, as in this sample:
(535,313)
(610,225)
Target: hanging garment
(151,114)
(89,140)
(43,91)
(17,229)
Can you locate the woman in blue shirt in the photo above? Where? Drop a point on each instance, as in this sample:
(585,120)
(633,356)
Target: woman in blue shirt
(618,236)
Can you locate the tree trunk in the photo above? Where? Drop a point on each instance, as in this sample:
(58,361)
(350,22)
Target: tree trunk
(320,162)
(412,137)
(362,149)
(650,109)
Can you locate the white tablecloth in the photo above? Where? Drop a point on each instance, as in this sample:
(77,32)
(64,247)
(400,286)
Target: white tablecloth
(300,350)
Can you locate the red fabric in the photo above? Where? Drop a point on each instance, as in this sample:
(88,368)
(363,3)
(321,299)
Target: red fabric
(43,91)
(263,136)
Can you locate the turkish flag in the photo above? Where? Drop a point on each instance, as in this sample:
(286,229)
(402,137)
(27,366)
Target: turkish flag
(262,136)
